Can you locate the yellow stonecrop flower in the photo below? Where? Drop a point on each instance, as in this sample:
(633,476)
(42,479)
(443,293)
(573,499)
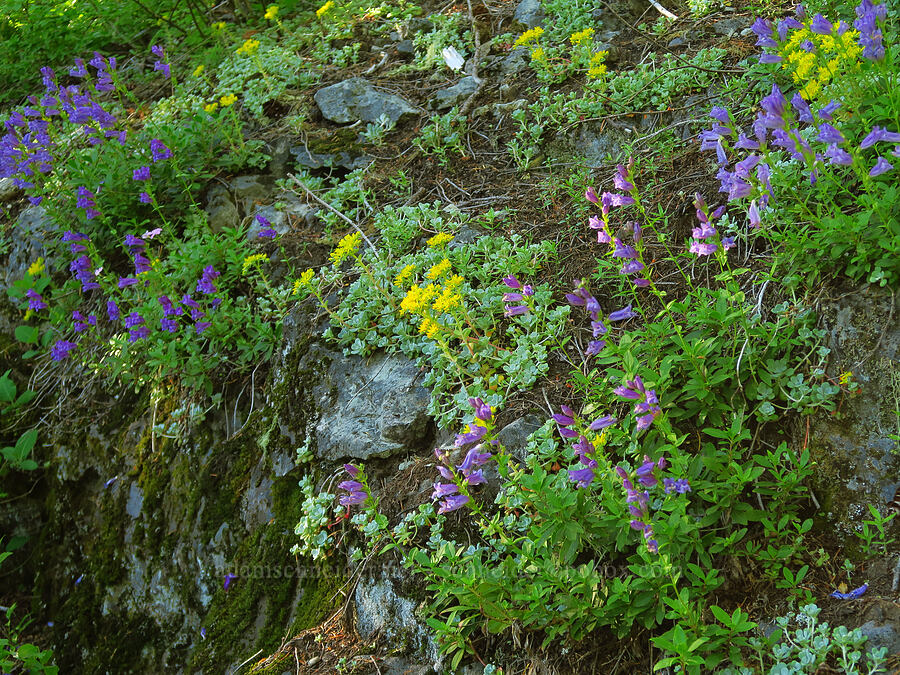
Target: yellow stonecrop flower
(447,301)
(404,274)
(227,100)
(439,270)
(845,378)
(418,299)
(324,9)
(539,55)
(211,107)
(453,283)
(251,260)
(440,239)
(596,66)
(831,54)
(219,25)
(304,280)
(429,327)
(249,47)
(581,36)
(528,37)
(271,12)
(36,267)
(346,248)
(199,70)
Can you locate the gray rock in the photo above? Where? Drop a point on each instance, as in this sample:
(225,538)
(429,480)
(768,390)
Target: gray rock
(729,27)
(677,42)
(8,190)
(371,408)
(32,228)
(356,99)
(881,636)
(515,62)
(221,211)
(251,189)
(514,436)
(382,610)
(529,13)
(596,143)
(858,462)
(314,160)
(406,48)
(459,92)
(135,501)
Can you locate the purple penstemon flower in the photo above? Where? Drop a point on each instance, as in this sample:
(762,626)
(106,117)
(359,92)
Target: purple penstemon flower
(879,135)
(159,151)
(881,166)
(142,173)
(623,314)
(622,180)
(35,301)
(229,579)
(61,349)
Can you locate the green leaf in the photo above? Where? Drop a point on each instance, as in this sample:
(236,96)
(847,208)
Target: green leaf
(26,334)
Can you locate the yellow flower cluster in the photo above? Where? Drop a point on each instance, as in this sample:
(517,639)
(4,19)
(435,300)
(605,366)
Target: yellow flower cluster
(596,66)
(418,299)
(528,37)
(581,36)
(219,25)
(271,12)
(439,270)
(249,47)
(36,267)
(432,301)
(304,280)
(198,70)
(539,55)
(228,100)
(845,378)
(404,274)
(252,260)
(211,107)
(346,248)
(813,70)
(429,327)
(447,301)
(324,9)
(440,239)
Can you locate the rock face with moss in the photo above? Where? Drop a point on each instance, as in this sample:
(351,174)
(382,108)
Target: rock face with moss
(166,547)
(857,448)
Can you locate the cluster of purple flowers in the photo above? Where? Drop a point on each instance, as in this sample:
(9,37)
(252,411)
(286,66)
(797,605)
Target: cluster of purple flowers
(870,35)
(518,296)
(568,425)
(161,64)
(358,492)
(35,301)
(159,151)
(84,272)
(81,323)
(466,473)
(268,232)
(706,238)
(647,406)
(27,148)
(632,266)
(580,297)
(137,329)
(86,201)
(639,501)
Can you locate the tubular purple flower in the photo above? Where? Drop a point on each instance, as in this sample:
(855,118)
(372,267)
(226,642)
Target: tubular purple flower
(581,477)
(353,471)
(622,314)
(699,248)
(228,579)
(168,325)
(127,281)
(163,68)
(563,420)
(720,114)
(620,179)
(881,166)
(591,196)
(145,198)
(764,31)
(755,219)
(142,173)
(820,25)
(838,156)
(623,250)
(512,282)
(353,499)
(475,433)
(804,114)
(351,486)
(878,135)
(828,134)
(602,423)
(594,347)
(482,409)
(138,333)
(632,267)
(201,326)
(453,503)
(267,234)
(474,457)
(516,310)
(828,110)
(598,328)
(567,433)
(770,58)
